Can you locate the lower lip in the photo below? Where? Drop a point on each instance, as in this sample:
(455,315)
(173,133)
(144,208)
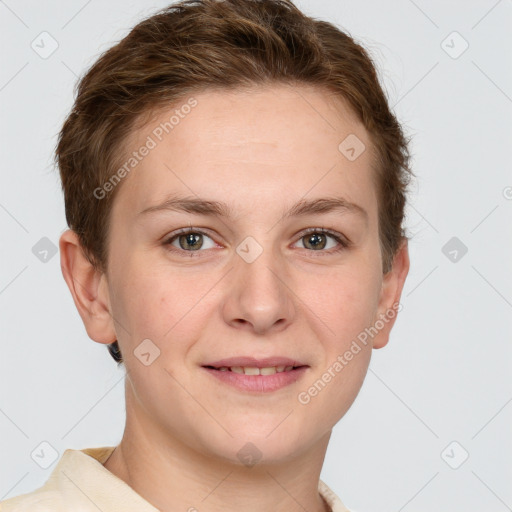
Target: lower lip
(258,383)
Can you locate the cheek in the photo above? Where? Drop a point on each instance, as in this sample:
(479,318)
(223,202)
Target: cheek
(345,300)
(349,305)
(145,302)
(160,305)
(345,384)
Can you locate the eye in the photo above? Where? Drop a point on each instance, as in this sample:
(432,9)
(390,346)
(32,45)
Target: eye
(189,240)
(316,240)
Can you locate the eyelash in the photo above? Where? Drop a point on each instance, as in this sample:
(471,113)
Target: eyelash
(343,242)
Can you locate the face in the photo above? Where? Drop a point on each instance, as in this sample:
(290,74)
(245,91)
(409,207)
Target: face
(282,262)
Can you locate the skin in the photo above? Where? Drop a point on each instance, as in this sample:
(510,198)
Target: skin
(259,151)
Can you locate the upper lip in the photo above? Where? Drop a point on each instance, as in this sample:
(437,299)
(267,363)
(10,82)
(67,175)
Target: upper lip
(253,362)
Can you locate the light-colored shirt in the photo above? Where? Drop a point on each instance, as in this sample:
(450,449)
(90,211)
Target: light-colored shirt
(80,483)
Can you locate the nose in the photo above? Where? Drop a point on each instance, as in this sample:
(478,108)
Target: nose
(260,297)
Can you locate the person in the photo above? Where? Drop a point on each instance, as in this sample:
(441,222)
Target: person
(234,185)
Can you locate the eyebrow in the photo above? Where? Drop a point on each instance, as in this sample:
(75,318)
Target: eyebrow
(302,208)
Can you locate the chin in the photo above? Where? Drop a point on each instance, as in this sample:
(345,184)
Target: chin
(262,446)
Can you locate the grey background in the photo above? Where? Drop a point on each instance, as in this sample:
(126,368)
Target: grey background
(444,376)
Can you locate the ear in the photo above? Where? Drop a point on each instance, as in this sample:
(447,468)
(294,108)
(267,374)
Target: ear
(88,287)
(391,291)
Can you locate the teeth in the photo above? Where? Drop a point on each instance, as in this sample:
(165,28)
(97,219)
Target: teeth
(250,370)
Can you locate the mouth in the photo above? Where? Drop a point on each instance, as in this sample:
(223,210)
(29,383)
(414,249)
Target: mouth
(253,375)
(254,370)
(279,362)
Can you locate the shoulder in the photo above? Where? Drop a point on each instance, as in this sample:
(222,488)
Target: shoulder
(39,500)
(64,490)
(331,498)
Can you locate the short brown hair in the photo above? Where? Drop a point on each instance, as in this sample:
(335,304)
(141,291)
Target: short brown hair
(196,45)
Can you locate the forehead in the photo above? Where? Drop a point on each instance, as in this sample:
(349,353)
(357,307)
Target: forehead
(249,145)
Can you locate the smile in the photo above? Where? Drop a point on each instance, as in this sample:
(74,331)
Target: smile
(259,380)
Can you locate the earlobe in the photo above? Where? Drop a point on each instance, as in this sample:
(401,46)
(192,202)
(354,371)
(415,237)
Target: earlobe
(391,291)
(88,289)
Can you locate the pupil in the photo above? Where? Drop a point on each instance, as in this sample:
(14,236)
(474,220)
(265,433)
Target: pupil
(191,241)
(315,238)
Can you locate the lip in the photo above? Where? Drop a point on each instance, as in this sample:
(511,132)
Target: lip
(257,383)
(254,362)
